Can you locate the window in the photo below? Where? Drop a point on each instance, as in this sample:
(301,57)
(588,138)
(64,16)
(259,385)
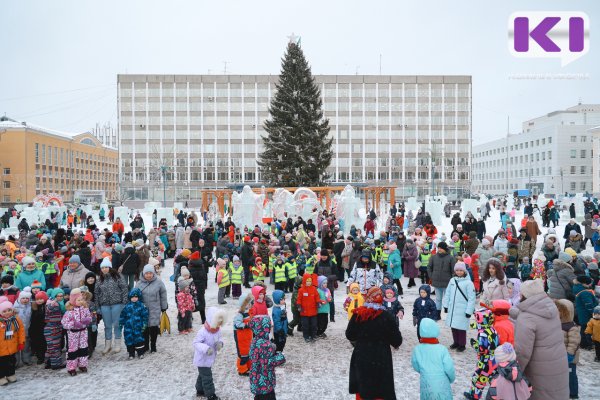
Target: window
(6,171)
(549,155)
(573,169)
(583,139)
(573,153)
(582,185)
(7,198)
(43,154)
(573,185)
(582,153)
(37,152)
(6,184)
(543,141)
(573,139)
(550,140)
(582,170)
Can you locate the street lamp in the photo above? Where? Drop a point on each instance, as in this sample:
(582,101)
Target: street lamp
(163,169)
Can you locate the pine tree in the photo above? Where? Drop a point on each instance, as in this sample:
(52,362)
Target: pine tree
(297,148)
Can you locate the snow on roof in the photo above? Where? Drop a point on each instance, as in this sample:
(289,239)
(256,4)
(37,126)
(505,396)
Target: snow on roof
(7,123)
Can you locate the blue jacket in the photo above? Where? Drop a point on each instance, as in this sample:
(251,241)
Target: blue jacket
(26,278)
(456,303)
(596,241)
(395,260)
(585,301)
(424,307)
(434,364)
(134,319)
(280,321)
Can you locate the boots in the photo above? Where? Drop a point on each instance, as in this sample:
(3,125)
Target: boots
(107,346)
(117,346)
(11,378)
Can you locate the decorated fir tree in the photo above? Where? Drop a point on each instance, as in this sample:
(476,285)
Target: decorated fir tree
(297,147)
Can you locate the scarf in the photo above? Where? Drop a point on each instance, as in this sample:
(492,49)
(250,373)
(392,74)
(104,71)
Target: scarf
(368,311)
(429,340)
(209,329)
(12,325)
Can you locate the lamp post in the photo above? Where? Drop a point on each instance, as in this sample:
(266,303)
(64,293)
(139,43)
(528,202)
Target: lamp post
(163,169)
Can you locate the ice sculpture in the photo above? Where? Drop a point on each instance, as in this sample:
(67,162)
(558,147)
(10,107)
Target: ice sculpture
(579,208)
(213,213)
(306,204)
(282,202)
(347,210)
(436,211)
(247,208)
(469,205)
(123,214)
(166,213)
(412,204)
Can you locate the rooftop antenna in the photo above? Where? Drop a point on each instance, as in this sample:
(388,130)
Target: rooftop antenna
(356,72)
(225,66)
(580,101)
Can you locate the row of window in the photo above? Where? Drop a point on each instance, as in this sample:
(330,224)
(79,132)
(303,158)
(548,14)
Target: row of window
(234,90)
(519,146)
(572,186)
(59,156)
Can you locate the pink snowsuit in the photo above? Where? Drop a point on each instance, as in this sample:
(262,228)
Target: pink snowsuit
(76,322)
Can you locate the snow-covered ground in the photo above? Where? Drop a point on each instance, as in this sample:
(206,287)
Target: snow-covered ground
(315,371)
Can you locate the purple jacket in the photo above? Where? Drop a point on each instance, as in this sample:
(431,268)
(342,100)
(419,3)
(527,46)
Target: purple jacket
(206,340)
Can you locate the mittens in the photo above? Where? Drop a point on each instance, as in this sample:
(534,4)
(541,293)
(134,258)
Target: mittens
(210,351)
(219,346)
(467,315)
(21,347)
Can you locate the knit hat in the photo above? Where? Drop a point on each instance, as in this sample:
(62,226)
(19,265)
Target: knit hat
(246,238)
(257,260)
(221,262)
(148,268)
(106,263)
(571,252)
(592,266)
(563,256)
(36,284)
(5,305)
(75,294)
(460,266)
(525,260)
(236,258)
(75,259)
(118,247)
(52,293)
(195,255)
(584,279)
(532,287)
(25,293)
(443,246)
(66,290)
(41,295)
(27,260)
(505,353)
(485,242)
(364,254)
(8,278)
(183,283)
(153,261)
(186,253)
(184,271)
(374,295)
(597,310)
(39,254)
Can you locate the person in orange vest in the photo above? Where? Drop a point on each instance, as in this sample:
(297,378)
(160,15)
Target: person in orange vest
(242,335)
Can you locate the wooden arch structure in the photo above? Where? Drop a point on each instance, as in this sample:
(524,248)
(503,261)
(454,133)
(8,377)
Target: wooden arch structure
(374,195)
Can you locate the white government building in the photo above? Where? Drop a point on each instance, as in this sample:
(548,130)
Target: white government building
(553,154)
(204,131)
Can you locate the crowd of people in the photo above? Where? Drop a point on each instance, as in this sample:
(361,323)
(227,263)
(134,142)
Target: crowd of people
(532,309)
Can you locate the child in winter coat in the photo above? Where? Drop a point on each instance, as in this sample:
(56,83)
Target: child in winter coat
(280,322)
(53,329)
(502,324)
(424,307)
(23,310)
(459,304)
(242,335)
(593,328)
(36,326)
(307,303)
(585,302)
(258,270)
(8,288)
(391,303)
(296,321)
(354,300)
(134,321)
(185,306)
(525,269)
(222,280)
(514,291)
(539,270)
(259,307)
(264,359)
(75,322)
(566,312)
(206,345)
(323,310)
(12,340)
(236,273)
(433,362)
(485,345)
(508,381)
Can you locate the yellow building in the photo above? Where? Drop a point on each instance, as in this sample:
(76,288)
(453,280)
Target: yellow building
(35,160)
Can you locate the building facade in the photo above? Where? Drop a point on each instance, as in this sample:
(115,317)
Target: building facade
(553,154)
(37,160)
(106,134)
(204,131)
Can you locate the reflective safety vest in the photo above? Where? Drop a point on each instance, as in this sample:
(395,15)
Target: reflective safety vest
(236,274)
(258,273)
(425,259)
(292,269)
(378,254)
(272,260)
(384,258)
(310,265)
(279,273)
(224,278)
(46,268)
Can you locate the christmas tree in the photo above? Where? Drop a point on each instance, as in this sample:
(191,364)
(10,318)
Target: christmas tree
(297,147)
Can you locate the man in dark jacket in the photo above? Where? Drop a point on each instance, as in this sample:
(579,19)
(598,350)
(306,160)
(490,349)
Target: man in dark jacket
(130,266)
(247,256)
(199,271)
(440,268)
(329,270)
(85,255)
(572,225)
(195,236)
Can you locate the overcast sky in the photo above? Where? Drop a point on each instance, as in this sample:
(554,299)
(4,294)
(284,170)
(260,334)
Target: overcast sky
(60,59)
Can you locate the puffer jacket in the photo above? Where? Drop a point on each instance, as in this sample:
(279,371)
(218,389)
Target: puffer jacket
(566,312)
(179,237)
(539,344)
(560,280)
(130,262)
(10,346)
(525,249)
(109,292)
(154,295)
(73,278)
(441,267)
(206,340)
(494,290)
(263,357)
(366,278)
(134,319)
(587,224)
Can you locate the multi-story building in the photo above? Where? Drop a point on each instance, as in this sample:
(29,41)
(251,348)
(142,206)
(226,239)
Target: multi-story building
(204,131)
(37,160)
(106,134)
(553,154)
(595,133)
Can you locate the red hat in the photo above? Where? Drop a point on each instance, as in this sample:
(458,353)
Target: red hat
(514,241)
(41,296)
(255,239)
(246,238)
(195,255)
(36,284)
(257,259)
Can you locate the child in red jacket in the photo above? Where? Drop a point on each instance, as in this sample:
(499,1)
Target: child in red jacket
(502,325)
(308,302)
